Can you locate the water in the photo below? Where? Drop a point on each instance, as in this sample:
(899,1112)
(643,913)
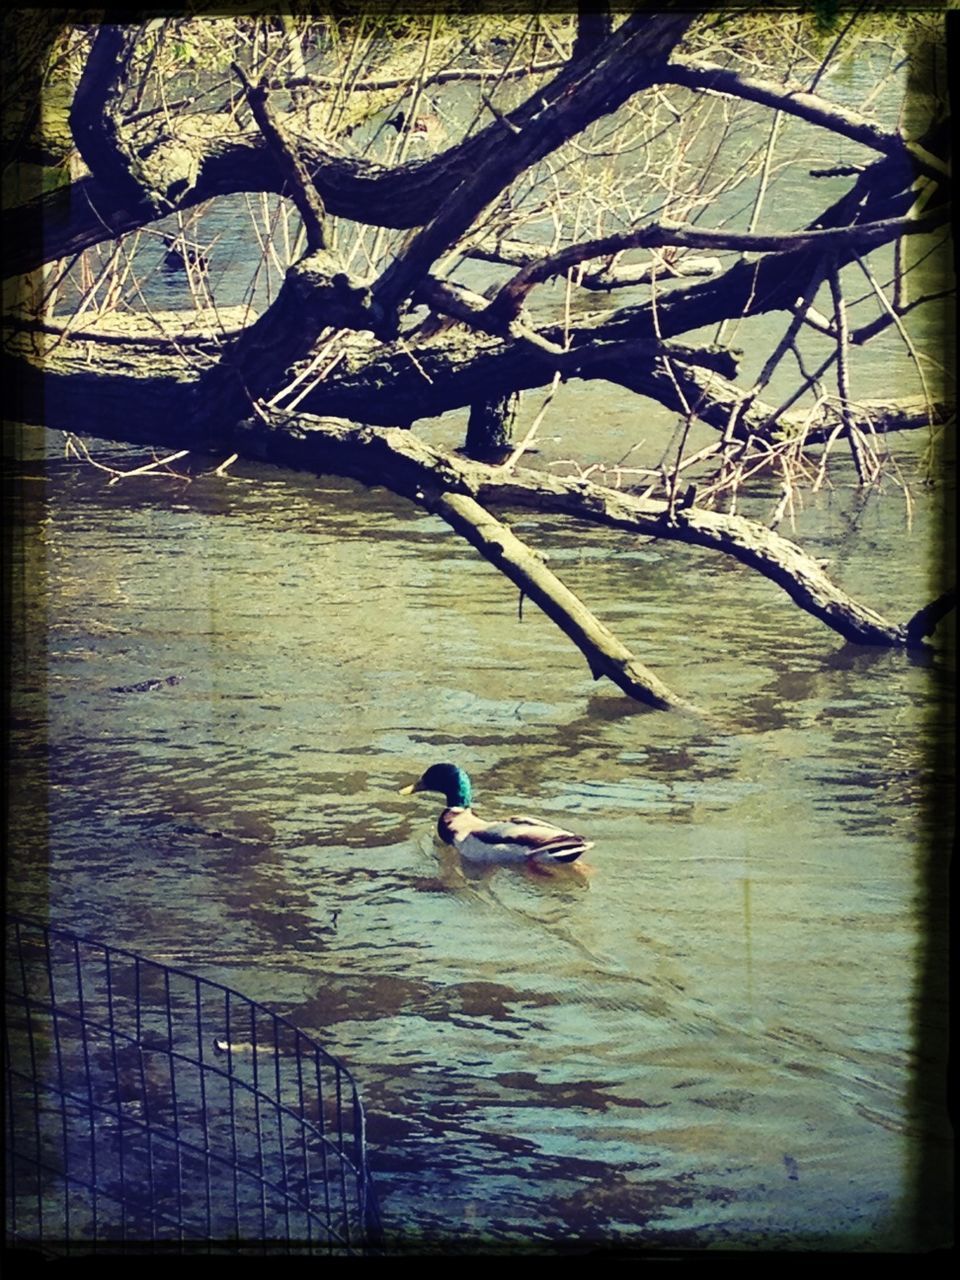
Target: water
(713,1040)
(710,1040)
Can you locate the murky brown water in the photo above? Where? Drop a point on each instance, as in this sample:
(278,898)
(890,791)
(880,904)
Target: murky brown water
(712,1041)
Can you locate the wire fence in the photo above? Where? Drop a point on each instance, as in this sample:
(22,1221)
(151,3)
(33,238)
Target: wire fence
(148,1108)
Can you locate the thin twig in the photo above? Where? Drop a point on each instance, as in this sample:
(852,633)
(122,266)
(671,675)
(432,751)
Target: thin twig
(896,320)
(151,466)
(534,427)
(227,462)
(865,469)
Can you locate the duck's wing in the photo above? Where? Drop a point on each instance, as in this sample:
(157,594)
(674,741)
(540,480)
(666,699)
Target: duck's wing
(521,839)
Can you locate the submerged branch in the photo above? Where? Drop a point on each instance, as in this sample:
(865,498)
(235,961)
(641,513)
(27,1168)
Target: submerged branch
(605,654)
(926,620)
(405,464)
(402,462)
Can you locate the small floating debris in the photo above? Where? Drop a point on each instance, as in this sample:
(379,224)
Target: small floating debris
(241,1047)
(332,926)
(147,686)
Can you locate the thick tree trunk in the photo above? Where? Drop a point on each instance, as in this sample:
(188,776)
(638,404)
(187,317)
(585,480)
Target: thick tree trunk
(129,386)
(66,375)
(490,428)
(61,389)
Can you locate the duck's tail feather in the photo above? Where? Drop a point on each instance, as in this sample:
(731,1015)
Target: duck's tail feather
(564,851)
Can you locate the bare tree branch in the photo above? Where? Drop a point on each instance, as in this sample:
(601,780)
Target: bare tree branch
(605,654)
(409,195)
(696,74)
(629,60)
(594,24)
(452,75)
(659,234)
(305,195)
(926,620)
(95,117)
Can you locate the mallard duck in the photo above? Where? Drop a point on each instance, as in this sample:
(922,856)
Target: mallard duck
(518,840)
(180,253)
(424,128)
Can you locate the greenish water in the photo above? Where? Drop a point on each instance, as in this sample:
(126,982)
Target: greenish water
(730,1034)
(712,1040)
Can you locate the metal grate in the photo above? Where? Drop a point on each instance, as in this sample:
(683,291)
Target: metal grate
(148,1107)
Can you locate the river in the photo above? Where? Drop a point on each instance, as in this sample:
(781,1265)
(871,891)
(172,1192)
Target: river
(723,1037)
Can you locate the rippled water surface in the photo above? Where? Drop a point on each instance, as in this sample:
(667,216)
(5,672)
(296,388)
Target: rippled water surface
(727,1035)
(711,1040)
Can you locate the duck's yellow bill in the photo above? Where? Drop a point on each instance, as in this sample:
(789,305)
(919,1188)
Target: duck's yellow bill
(407,791)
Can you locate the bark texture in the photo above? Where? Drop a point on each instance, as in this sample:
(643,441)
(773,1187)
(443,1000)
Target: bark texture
(217,387)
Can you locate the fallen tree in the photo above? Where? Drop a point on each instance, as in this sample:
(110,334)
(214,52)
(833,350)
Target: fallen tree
(338,368)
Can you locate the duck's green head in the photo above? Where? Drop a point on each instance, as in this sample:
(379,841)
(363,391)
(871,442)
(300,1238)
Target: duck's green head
(450,780)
